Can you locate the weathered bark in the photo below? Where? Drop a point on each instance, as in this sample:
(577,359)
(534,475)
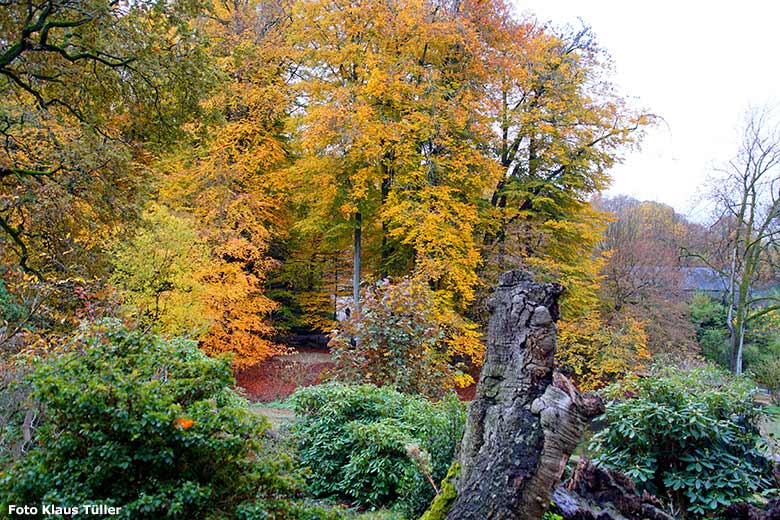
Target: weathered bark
(594,493)
(745,511)
(524,422)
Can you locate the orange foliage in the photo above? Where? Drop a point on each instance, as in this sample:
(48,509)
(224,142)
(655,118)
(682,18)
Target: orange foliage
(184,423)
(231,182)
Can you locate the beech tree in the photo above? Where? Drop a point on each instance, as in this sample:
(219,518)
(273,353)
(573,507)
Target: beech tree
(228,175)
(562,125)
(392,134)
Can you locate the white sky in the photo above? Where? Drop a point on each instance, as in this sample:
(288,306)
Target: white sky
(697,64)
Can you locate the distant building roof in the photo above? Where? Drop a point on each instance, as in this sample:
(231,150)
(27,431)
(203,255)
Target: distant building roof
(703,279)
(708,280)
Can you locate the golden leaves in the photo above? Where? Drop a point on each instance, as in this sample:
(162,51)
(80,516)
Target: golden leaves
(596,352)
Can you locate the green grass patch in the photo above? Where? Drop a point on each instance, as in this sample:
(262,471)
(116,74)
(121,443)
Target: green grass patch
(772,422)
(281,404)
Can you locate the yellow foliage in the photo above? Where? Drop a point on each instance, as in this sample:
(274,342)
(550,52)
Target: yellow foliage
(394,130)
(596,353)
(158,272)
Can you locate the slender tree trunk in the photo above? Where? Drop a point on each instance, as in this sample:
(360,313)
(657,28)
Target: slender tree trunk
(740,347)
(385,247)
(730,317)
(336,289)
(356,262)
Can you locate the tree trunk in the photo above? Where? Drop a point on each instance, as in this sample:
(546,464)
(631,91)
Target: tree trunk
(740,348)
(356,262)
(525,421)
(384,249)
(599,493)
(733,340)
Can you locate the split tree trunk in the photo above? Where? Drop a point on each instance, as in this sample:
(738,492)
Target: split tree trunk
(525,421)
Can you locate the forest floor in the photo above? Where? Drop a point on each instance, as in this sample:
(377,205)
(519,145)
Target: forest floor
(278,417)
(277,378)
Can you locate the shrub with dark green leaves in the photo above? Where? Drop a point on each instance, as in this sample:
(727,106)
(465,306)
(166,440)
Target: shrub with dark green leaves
(374,446)
(135,421)
(709,316)
(690,438)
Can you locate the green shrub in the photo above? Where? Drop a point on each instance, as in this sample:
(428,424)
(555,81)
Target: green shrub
(767,374)
(714,345)
(709,316)
(707,312)
(688,437)
(374,446)
(134,421)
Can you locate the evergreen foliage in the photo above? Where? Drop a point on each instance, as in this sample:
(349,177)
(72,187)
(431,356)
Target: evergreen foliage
(149,425)
(374,446)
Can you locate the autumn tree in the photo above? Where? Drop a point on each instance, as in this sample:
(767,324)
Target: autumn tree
(452,141)
(644,241)
(392,135)
(748,222)
(88,89)
(644,274)
(562,126)
(595,351)
(227,174)
(158,272)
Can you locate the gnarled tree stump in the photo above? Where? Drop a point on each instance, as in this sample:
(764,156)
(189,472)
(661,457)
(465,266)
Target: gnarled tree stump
(525,420)
(595,493)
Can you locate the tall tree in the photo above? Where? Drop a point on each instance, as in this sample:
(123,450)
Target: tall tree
(561,127)
(228,174)
(643,241)
(394,129)
(644,273)
(747,198)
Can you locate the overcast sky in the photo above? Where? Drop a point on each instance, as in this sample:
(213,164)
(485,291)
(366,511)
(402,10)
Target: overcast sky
(697,64)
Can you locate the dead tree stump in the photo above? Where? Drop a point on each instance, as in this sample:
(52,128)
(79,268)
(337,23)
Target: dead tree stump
(525,420)
(596,493)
